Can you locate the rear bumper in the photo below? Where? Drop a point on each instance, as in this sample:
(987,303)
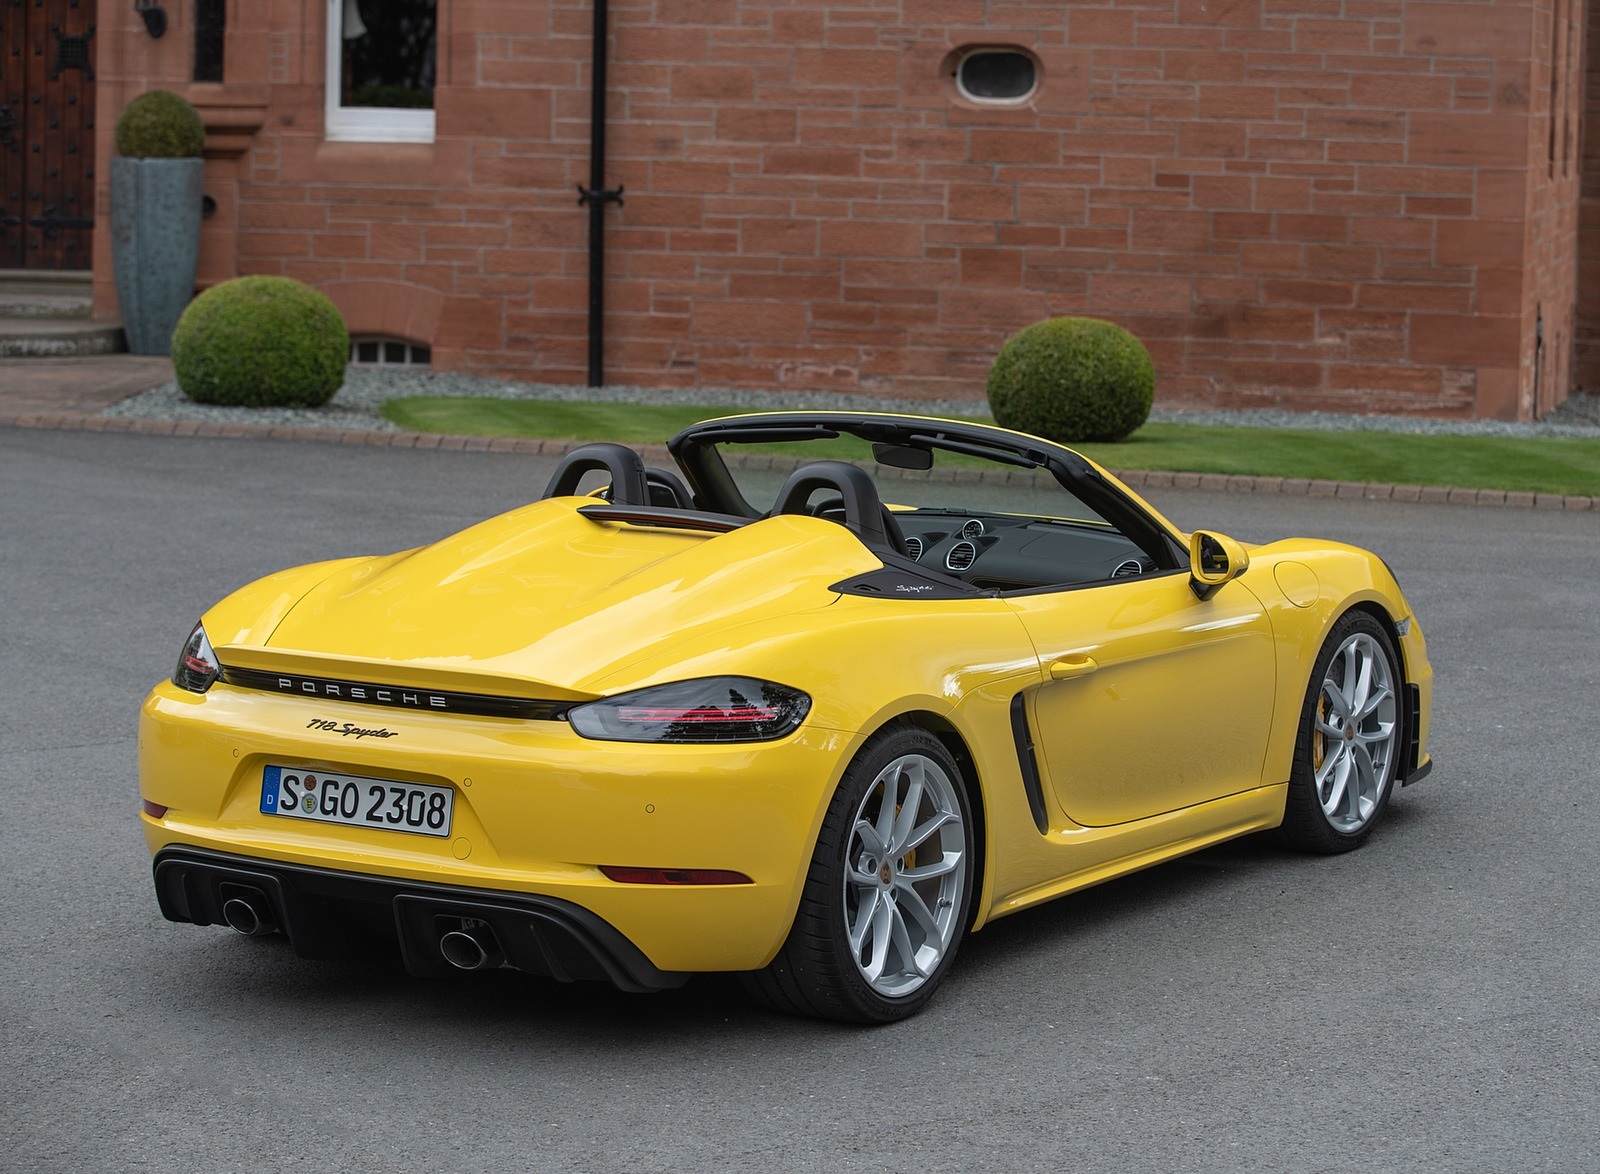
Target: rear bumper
(538,812)
(330,914)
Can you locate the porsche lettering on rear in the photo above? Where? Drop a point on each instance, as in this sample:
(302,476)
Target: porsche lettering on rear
(376,695)
(812,704)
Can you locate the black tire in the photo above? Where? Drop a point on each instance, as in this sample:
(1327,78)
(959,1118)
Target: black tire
(1350,740)
(910,907)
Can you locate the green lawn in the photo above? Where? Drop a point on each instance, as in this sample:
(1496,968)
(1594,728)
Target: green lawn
(1532,464)
(1536,464)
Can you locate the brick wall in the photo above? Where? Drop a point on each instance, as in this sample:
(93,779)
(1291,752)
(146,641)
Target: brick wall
(1322,204)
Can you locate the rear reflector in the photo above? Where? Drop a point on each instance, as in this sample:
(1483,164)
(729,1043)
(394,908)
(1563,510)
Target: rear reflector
(674,876)
(153,810)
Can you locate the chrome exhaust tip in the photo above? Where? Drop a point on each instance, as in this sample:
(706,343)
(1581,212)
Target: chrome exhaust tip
(470,949)
(246,917)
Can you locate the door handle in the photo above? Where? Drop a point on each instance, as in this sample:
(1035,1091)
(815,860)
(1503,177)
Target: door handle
(1065,670)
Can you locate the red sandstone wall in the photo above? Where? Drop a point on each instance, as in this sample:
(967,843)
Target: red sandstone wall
(1314,203)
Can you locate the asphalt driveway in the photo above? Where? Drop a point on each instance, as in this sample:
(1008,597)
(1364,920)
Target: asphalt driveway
(1431,1002)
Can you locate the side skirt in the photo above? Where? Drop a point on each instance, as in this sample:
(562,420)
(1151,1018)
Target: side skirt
(1118,851)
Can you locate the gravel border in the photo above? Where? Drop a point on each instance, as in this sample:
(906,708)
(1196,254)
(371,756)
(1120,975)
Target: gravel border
(356,405)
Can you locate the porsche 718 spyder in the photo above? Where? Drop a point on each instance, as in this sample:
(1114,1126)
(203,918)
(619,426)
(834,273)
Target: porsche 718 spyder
(833,692)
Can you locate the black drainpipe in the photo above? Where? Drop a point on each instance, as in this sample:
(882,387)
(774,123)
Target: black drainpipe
(597,196)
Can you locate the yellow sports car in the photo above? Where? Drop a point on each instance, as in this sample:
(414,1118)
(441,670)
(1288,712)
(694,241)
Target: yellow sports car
(838,689)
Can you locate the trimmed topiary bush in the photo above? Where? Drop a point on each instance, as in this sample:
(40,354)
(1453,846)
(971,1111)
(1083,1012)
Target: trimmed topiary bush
(261,342)
(160,125)
(1072,379)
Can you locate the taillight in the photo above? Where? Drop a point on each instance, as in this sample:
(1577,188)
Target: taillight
(712,709)
(197,665)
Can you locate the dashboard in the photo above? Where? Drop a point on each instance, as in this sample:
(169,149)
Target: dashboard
(1006,552)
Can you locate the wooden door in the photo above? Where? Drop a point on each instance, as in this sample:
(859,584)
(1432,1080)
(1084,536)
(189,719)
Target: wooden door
(46,133)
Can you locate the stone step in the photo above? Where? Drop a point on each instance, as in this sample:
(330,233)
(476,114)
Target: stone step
(27,303)
(43,338)
(45,293)
(83,277)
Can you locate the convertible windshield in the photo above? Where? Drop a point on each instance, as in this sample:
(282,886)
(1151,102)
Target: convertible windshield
(956,483)
(996,509)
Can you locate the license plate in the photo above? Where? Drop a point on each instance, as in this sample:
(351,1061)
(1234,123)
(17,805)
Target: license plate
(355,801)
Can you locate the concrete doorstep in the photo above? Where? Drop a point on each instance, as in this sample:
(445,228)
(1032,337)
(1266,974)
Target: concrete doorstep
(45,314)
(82,385)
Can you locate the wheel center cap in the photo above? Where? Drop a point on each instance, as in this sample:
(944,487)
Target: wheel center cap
(1350,733)
(886,874)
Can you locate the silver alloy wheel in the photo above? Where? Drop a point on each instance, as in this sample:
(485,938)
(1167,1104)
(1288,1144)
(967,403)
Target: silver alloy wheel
(905,869)
(1356,733)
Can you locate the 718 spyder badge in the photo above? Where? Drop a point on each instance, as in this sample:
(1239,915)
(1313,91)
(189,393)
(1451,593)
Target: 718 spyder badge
(348,730)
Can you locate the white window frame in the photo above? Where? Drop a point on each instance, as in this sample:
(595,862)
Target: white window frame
(986,50)
(365,124)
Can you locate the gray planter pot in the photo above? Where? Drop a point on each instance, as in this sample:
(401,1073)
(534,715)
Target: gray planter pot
(155,245)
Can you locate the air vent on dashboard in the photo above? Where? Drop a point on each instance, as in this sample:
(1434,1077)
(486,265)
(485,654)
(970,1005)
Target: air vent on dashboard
(961,556)
(914,547)
(1128,569)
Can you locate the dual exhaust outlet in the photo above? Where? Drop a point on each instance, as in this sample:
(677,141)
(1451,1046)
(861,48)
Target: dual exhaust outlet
(469,947)
(249,915)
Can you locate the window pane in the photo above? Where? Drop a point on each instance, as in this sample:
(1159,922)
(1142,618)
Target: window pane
(388,352)
(210,30)
(997,77)
(388,53)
